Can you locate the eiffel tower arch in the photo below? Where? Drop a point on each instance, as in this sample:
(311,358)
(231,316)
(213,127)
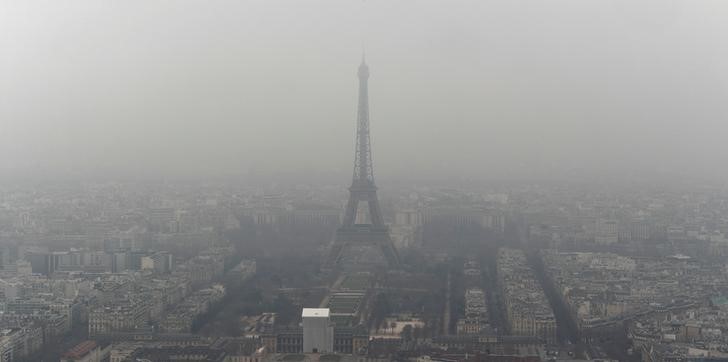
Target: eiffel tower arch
(373,232)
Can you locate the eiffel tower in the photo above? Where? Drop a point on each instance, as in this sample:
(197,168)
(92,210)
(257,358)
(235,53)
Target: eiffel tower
(373,232)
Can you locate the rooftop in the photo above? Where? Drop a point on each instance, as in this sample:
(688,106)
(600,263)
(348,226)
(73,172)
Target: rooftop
(315,312)
(80,350)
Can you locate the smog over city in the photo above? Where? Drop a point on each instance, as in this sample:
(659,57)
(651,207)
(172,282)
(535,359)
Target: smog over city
(363,180)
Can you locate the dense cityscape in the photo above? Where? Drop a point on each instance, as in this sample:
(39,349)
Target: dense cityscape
(126,271)
(552,190)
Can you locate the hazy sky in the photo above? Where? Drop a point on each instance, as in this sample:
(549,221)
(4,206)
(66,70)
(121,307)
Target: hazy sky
(471,88)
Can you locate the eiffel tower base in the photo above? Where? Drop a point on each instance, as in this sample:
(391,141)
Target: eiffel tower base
(362,235)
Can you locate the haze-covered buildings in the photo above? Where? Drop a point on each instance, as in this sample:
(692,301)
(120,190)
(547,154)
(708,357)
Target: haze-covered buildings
(528,310)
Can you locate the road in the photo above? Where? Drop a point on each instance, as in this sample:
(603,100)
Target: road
(446,314)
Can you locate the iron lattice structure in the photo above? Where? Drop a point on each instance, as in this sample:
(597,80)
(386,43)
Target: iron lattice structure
(363,189)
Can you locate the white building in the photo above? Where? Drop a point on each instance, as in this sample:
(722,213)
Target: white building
(318,332)
(606,231)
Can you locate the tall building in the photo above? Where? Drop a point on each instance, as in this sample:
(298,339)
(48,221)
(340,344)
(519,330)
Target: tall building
(318,332)
(363,229)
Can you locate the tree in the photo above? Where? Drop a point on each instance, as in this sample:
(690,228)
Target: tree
(417,333)
(406,333)
(382,325)
(380,309)
(287,312)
